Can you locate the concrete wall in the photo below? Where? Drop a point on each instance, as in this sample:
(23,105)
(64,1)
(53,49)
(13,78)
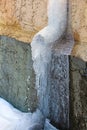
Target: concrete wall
(79,26)
(21,19)
(78,94)
(17,82)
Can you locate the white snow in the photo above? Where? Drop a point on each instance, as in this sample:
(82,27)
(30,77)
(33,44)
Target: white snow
(13,119)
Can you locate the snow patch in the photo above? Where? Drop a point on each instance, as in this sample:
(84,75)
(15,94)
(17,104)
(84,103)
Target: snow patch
(13,119)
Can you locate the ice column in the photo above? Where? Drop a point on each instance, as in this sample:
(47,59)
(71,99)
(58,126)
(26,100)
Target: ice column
(42,44)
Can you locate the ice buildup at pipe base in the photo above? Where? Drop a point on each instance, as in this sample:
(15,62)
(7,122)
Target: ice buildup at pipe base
(13,119)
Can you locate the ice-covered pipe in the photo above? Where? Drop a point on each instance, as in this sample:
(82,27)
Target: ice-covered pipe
(57,21)
(41,49)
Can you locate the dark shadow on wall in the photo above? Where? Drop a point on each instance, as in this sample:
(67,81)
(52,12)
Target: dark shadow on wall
(78,94)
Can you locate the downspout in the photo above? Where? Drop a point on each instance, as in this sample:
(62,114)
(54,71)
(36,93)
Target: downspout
(57,23)
(41,46)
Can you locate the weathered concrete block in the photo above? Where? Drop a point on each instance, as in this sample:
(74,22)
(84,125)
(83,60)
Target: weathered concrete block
(78,94)
(21,19)
(17,82)
(79,20)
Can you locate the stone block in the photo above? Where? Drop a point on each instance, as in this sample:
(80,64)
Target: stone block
(78,94)
(17,79)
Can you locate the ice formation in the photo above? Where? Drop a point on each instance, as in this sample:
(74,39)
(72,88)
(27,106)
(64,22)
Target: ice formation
(41,49)
(13,119)
(57,22)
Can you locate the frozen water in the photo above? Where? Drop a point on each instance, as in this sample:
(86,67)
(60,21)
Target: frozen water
(35,127)
(41,47)
(52,80)
(57,21)
(13,119)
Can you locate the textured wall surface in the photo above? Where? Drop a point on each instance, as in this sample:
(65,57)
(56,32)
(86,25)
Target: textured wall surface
(79,19)
(78,94)
(31,16)
(16,74)
(79,25)
(18,87)
(21,19)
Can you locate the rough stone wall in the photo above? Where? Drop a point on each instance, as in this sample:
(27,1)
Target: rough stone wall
(79,19)
(21,19)
(79,26)
(17,82)
(78,67)
(78,94)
